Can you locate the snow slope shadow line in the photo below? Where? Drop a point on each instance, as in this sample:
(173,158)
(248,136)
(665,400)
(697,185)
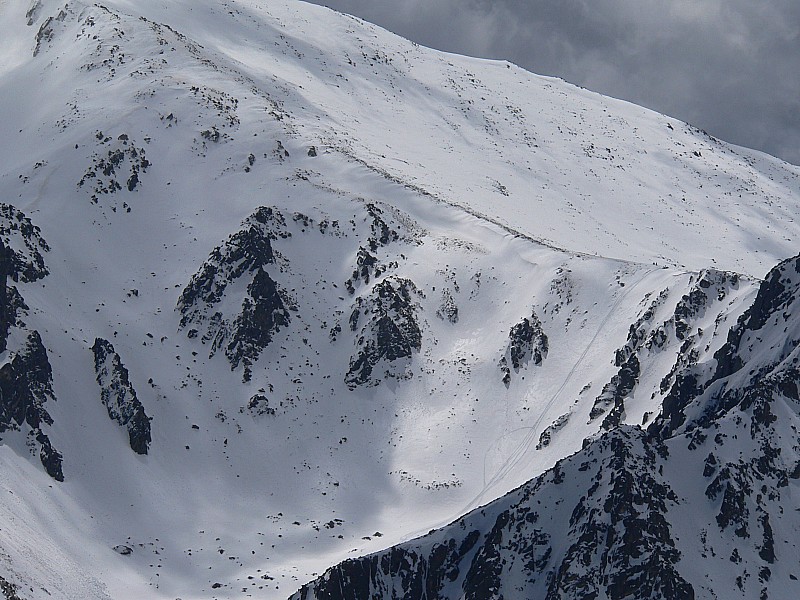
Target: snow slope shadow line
(471,211)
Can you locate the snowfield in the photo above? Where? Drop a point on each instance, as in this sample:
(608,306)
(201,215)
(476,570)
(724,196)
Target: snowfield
(304,290)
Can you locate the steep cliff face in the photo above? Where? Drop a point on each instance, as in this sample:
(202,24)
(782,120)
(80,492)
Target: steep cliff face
(119,397)
(26,385)
(26,376)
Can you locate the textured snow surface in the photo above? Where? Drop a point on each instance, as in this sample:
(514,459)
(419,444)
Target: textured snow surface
(696,506)
(313,245)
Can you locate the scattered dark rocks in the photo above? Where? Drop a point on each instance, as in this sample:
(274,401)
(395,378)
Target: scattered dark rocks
(448,309)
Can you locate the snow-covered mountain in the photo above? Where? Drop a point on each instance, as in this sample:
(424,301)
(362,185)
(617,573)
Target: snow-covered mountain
(698,505)
(281,289)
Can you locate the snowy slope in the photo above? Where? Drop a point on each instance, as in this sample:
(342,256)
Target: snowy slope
(277,282)
(697,506)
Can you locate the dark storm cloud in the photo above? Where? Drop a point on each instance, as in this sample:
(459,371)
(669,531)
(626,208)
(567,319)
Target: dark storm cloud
(731,67)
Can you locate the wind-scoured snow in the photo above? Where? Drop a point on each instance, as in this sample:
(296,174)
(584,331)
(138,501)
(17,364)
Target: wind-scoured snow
(329,381)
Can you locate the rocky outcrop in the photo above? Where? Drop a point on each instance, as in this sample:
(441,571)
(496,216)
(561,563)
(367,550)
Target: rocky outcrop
(615,391)
(258,406)
(8,589)
(119,165)
(383,232)
(119,397)
(527,342)
(264,313)
(600,524)
(262,276)
(245,255)
(448,309)
(244,252)
(388,332)
(621,541)
(21,260)
(772,324)
(26,380)
(26,385)
(7,312)
(368,266)
(24,246)
(710,288)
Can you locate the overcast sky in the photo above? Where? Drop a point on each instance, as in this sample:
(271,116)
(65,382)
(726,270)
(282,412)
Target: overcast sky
(731,67)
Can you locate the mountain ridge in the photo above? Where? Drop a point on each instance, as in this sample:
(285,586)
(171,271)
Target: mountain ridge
(304,283)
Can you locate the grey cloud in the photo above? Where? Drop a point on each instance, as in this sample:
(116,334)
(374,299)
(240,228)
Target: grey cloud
(731,67)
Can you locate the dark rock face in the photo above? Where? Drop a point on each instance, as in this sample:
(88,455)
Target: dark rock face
(778,291)
(623,544)
(263,314)
(26,379)
(21,260)
(8,315)
(12,309)
(710,288)
(26,384)
(24,246)
(368,266)
(770,320)
(264,311)
(119,397)
(615,392)
(46,31)
(527,342)
(245,251)
(388,332)
(730,407)
(9,590)
(641,332)
(712,285)
(383,233)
